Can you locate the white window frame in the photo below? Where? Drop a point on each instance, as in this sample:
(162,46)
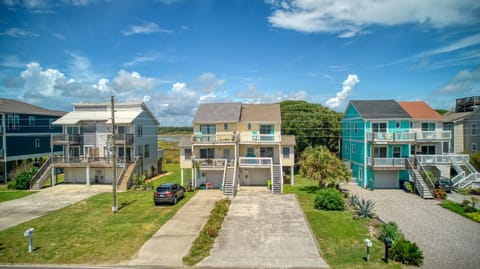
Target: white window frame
(31,120)
(474,131)
(37,143)
(474,147)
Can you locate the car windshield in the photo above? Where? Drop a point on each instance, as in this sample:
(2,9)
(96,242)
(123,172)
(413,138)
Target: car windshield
(163,189)
(444,181)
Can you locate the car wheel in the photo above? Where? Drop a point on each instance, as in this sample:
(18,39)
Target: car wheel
(174,200)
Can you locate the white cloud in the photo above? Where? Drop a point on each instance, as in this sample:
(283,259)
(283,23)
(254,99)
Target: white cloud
(465,82)
(126,82)
(11,61)
(348,18)
(17,32)
(146,28)
(347,88)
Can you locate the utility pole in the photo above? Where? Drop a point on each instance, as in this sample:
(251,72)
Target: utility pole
(114,162)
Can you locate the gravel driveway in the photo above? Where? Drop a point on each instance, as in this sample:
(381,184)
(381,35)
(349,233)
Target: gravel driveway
(448,240)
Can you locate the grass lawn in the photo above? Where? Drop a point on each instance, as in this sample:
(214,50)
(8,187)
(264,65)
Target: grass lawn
(7,194)
(340,236)
(473,214)
(88,233)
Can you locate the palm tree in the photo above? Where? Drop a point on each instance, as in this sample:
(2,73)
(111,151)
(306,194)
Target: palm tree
(319,164)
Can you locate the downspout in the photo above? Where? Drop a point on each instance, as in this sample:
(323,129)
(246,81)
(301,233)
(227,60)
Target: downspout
(4,142)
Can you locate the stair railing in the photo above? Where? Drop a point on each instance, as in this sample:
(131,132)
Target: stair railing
(458,178)
(40,171)
(426,179)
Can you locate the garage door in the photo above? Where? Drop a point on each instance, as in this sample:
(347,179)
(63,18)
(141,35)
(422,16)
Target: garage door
(386,180)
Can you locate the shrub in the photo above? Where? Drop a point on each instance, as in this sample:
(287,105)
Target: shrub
(329,199)
(23,177)
(440,194)
(408,187)
(391,231)
(474,216)
(365,209)
(353,200)
(269,184)
(406,252)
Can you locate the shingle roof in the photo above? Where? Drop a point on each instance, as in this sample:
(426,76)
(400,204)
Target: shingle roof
(419,110)
(15,106)
(288,140)
(380,109)
(217,113)
(261,113)
(456,116)
(185,142)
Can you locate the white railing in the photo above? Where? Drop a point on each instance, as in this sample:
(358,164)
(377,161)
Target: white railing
(391,137)
(255,161)
(433,135)
(458,178)
(387,162)
(259,138)
(212,138)
(211,163)
(443,159)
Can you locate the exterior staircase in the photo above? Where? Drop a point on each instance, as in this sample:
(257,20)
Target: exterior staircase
(126,176)
(228,186)
(42,175)
(424,188)
(277,186)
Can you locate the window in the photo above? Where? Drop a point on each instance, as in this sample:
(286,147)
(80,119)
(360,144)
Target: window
(397,152)
(31,120)
(13,121)
(226,154)
(380,152)
(139,130)
(73,130)
(188,154)
(146,154)
(286,152)
(354,128)
(474,129)
(208,153)
(397,124)
(249,126)
(225,126)
(266,152)
(428,150)
(250,152)
(347,148)
(50,123)
(37,143)
(474,147)
(74,151)
(208,132)
(266,132)
(347,128)
(140,150)
(428,126)
(353,148)
(411,124)
(379,127)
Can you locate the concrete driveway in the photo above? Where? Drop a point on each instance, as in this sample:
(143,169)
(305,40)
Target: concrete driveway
(17,211)
(448,240)
(262,230)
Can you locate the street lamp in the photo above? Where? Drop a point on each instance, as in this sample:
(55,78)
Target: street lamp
(368,244)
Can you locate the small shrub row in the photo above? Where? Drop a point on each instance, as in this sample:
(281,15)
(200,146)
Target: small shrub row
(464,209)
(329,199)
(402,250)
(363,208)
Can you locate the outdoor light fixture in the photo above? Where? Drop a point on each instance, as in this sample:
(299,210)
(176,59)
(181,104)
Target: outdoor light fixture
(368,244)
(29,233)
(388,244)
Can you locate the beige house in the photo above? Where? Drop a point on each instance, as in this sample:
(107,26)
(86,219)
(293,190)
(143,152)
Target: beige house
(236,145)
(465,130)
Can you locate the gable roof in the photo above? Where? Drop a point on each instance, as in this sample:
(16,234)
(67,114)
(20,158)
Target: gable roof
(15,106)
(288,140)
(217,113)
(261,113)
(125,113)
(419,110)
(457,116)
(380,109)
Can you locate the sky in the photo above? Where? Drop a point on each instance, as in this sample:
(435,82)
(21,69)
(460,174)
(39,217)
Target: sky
(175,54)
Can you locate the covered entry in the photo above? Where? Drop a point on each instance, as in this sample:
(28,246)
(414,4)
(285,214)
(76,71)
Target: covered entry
(386,180)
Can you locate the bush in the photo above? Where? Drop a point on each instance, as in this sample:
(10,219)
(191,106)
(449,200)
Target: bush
(269,184)
(365,209)
(353,200)
(329,199)
(406,252)
(408,187)
(440,194)
(23,177)
(391,231)
(474,216)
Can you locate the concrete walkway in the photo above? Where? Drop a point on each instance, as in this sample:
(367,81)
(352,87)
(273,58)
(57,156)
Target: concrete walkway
(447,239)
(173,240)
(20,210)
(262,230)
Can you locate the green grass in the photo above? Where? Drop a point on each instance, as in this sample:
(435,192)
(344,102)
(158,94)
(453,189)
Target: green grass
(6,195)
(459,209)
(340,236)
(204,242)
(88,233)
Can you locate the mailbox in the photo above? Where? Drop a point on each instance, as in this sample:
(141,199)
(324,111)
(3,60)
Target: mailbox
(29,234)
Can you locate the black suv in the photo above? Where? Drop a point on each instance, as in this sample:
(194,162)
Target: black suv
(168,193)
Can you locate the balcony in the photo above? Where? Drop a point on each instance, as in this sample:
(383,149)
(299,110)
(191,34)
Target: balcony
(123,139)
(433,136)
(444,159)
(200,138)
(211,164)
(255,162)
(83,161)
(387,163)
(255,137)
(391,138)
(63,139)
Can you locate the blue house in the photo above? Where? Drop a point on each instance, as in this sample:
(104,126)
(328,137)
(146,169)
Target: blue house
(386,142)
(25,133)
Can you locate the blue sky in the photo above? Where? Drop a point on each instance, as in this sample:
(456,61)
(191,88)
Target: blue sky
(175,54)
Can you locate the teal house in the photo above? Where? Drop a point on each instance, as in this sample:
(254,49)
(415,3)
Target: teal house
(385,142)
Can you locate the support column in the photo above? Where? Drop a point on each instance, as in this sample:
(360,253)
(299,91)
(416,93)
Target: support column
(181,176)
(292,176)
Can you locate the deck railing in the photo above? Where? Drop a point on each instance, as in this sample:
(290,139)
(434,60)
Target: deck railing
(255,161)
(387,162)
(214,138)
